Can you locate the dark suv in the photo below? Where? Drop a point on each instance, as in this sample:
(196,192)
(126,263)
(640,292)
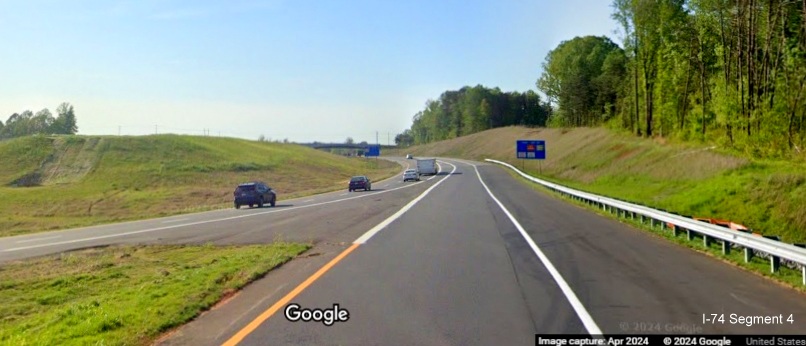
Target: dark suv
(359,182)
(254,193)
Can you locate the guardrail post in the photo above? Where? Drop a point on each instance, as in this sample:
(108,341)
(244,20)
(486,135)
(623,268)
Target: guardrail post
(766,247)
(775,263)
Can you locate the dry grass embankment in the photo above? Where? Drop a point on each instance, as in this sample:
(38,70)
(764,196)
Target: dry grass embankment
(70,181)
(767,196)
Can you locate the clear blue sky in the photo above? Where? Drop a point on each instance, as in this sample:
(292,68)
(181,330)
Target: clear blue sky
(303,70)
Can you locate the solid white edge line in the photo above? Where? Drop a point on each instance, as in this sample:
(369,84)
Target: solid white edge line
(72,241)
(582,313)
(363,239)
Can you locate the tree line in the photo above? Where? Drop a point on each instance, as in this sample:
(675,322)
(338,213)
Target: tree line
(43,122)
(731,72)
(472,109)
(725,71)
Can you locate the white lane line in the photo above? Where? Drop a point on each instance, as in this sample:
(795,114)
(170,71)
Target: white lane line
(583,314)
(308,200)
(345,194)
(439,169)
(38,239)
(363,239)
(177,220)
(361,195)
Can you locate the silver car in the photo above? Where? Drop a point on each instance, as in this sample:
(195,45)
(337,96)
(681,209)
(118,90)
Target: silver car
(410,174)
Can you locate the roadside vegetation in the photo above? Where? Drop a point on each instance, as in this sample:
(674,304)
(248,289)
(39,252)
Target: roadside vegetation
(768,196)
(786,276)
(124,295)
(731,74)
(699,110)
(56,182)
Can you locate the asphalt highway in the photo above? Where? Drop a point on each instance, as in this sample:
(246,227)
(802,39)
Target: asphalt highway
(290,220)
(469,257)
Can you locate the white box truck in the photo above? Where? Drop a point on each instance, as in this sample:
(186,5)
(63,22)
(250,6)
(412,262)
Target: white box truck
(426,166)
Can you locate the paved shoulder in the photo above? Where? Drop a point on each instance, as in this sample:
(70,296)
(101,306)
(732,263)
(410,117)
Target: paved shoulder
(632,281)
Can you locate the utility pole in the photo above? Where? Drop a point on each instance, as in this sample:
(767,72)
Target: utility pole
(376,138)
(118,131)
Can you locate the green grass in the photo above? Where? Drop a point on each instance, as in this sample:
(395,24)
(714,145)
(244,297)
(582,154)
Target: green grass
(124,295)
(704,181)
(760,266)
(86,180)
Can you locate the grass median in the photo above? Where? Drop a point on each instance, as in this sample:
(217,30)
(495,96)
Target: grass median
(124,295)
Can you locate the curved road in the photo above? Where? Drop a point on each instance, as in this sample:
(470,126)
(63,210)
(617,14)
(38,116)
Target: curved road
(469,257)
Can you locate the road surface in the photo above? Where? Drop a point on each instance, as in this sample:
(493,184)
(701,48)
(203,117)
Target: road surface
(469,257)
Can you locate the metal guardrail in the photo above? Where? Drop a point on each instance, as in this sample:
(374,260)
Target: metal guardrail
(752,244)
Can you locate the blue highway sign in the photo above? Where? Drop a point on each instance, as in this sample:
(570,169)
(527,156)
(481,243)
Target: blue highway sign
(530,149)
(373,150)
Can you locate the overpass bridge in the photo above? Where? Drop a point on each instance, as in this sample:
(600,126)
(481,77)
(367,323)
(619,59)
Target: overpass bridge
(362,146)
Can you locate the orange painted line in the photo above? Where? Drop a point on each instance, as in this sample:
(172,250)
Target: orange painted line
(241,334)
